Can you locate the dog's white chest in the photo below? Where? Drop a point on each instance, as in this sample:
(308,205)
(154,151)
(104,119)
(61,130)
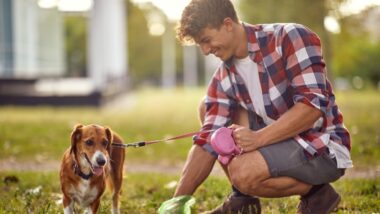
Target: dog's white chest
(84,194)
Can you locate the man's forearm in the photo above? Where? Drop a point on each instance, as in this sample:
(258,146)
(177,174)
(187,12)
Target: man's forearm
(197,168)
(298,119)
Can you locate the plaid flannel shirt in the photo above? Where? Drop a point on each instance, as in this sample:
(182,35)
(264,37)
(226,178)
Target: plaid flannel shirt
(291,70)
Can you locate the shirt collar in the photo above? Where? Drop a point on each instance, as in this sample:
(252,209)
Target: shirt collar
(250,30)
(252,44)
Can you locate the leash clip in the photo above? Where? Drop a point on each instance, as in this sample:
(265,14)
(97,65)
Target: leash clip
(137,144)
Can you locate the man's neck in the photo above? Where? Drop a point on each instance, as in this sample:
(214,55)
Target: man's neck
(241,42)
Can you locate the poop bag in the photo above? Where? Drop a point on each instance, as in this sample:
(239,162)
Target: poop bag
(177,205)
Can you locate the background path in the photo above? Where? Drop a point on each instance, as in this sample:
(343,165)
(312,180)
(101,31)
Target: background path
(132,167)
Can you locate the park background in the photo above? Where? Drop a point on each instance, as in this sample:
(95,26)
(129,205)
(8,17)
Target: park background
(117,63)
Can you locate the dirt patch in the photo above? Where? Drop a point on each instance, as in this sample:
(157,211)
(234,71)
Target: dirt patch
(131,167)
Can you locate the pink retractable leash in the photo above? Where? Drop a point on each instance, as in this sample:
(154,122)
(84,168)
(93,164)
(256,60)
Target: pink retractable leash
(221,141)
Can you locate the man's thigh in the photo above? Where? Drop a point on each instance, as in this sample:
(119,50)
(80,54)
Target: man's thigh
(287,158)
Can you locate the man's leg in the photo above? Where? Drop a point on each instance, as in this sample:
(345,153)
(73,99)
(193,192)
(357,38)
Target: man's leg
(198,166)
(236,202)
(249,173)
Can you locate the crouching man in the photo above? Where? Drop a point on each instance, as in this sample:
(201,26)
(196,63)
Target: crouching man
(272,90)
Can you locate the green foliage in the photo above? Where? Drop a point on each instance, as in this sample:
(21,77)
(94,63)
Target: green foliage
(37,192)
(358,57)
(76,45)
(306,12)
(361,112)
(144,50)
(355,52)
(310,13)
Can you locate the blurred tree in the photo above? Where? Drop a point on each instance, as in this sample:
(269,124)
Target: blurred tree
(355,54)
(144,50)
(310,13)
(76,45)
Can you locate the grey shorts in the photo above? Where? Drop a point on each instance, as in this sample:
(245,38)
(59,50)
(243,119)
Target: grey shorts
(287,158)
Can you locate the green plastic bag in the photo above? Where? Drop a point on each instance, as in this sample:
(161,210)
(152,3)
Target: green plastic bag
(177,205)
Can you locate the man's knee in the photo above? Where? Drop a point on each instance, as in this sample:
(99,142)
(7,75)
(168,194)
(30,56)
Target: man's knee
(245,180)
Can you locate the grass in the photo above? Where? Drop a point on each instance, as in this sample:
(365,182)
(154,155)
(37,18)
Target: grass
(143,193)
(24,130)
(155,114)
(38,134)
(361,112)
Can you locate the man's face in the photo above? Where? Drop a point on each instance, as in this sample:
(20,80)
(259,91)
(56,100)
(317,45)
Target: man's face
(216,41)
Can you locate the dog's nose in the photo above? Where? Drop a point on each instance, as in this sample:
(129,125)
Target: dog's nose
(101,161)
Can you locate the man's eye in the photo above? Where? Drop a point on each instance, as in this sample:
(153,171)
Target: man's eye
(105,143)
(89,142)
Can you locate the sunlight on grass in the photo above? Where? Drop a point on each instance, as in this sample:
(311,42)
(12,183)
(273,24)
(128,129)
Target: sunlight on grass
(42,133)
(144,192)
(39,134)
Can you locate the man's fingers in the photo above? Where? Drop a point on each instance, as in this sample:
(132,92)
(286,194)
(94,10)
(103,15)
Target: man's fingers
(233,126)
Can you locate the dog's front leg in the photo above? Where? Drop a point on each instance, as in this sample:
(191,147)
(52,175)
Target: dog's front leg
(68,205)
(94,206)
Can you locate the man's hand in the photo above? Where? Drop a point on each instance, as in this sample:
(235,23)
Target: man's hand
(246,139)
(298,119)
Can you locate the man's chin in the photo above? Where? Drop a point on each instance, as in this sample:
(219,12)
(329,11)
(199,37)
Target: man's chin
(224,58)
(221,58)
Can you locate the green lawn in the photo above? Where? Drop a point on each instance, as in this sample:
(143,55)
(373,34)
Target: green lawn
(143,193)
(35,134)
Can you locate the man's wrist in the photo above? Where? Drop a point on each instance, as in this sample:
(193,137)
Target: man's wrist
(261,138)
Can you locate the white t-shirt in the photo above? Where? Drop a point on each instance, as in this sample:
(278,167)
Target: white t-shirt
(249,72)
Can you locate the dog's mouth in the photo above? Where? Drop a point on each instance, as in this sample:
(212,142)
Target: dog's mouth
(97,170)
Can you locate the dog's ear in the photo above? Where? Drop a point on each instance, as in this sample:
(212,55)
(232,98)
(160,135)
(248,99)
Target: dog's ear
(76,135)
(109,136)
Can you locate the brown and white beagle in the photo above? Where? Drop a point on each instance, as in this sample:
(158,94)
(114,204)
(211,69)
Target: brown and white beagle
(88,165)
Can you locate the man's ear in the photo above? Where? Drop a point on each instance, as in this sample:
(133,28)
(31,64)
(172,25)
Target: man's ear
(76,135)
(109,136)
(228,23)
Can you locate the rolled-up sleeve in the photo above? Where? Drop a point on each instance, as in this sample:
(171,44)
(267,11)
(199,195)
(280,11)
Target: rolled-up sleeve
(219,107)
(305,66)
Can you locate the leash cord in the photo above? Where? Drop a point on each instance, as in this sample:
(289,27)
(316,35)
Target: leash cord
(144,143)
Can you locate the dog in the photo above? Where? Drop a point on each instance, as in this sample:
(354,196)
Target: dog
(89,165)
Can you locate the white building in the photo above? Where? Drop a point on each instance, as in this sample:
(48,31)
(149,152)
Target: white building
(32,55)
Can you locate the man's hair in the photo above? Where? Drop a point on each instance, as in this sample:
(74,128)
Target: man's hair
(200,14)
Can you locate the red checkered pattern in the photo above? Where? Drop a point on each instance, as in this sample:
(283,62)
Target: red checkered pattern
(291,69)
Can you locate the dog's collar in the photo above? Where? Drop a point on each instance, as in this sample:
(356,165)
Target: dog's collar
(80,173)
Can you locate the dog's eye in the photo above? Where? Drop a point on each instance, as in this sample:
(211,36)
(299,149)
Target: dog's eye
(105,143)
(89,142)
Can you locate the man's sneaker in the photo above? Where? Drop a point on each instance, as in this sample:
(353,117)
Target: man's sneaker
(323,201)
(238,204)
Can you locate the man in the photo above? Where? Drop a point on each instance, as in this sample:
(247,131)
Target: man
(272,90)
